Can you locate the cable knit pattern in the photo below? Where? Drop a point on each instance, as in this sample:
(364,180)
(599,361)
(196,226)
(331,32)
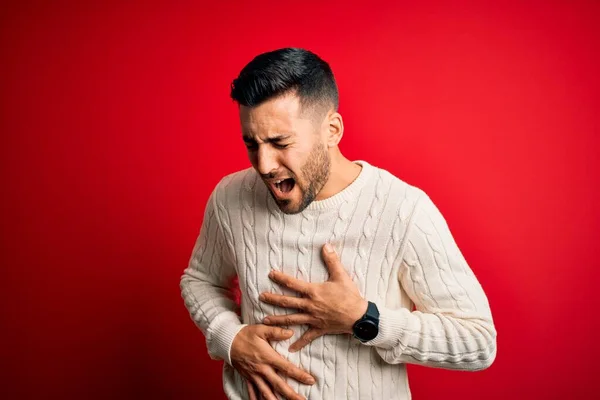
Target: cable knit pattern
(358,274)
(392,247)
(304,245)
(369,228)
(394,243)
(221,203)
(247,218)
(336,239)
(275,255)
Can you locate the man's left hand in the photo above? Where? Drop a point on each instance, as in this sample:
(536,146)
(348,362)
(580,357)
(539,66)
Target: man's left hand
(329,307)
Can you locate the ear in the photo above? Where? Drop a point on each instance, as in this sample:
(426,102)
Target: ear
(335,128)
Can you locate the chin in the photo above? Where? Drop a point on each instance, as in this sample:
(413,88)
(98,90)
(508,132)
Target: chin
(293,205)
(287,207)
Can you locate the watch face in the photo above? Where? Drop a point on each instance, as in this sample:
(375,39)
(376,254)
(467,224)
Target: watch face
(366,330)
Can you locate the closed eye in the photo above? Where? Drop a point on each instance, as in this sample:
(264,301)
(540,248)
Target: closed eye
(252,145)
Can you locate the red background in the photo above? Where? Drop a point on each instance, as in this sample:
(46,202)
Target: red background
(116,124)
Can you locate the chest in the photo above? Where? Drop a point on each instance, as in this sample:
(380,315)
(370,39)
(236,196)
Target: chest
(293,245)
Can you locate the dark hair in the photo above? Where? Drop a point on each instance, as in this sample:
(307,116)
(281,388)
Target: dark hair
(281,71)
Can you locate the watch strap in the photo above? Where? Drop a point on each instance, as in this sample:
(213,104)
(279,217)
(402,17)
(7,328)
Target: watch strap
(371,315)
(372,312)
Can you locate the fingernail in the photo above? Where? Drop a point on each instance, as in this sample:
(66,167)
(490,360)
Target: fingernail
(311,381)
(266,320)
(271,274)
(261,296)
(329,248)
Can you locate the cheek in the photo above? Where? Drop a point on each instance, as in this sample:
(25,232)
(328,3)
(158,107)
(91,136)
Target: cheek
(293,163)
(296,158)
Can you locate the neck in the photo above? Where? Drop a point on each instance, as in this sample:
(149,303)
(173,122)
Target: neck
(342,173)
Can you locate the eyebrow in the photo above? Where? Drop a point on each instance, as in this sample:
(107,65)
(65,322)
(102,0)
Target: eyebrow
(277,138)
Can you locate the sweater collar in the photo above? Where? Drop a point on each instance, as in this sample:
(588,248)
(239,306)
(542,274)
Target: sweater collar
(350,192)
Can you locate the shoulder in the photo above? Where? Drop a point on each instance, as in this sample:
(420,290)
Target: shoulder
(413,203)
(236,181)
(236,188)
(403,194)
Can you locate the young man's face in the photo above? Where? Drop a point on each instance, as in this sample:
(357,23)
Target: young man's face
(287,149)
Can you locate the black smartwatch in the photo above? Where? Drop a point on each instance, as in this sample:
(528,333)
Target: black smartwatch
(367,327)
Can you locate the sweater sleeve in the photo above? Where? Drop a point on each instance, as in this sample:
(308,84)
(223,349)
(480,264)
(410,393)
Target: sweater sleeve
(206,286)
(452,326)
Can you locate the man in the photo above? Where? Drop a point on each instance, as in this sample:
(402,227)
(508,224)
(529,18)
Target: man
(331,256)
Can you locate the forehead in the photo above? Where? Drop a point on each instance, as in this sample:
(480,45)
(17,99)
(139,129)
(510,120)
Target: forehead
(280,115)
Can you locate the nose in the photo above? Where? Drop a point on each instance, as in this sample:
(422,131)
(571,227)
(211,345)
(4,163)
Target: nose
(266,160)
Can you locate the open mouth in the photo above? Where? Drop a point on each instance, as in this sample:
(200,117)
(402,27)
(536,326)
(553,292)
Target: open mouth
(285,185)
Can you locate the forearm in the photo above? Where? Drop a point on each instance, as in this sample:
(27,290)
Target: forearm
(206,286)
(452,326)
(442,340)
(213,310)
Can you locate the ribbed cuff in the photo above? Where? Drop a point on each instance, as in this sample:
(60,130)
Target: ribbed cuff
(221,339)
(392,325)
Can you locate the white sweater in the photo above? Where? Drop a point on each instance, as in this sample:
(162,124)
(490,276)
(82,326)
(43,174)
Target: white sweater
(394,243)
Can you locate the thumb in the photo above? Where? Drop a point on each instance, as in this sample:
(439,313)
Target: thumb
(277,333)
(332,260)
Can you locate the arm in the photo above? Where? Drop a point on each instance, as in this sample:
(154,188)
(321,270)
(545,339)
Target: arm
(452,326)
(205,286)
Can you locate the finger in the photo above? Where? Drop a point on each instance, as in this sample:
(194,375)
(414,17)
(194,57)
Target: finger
(251,391)
(290,319)
(285,301)
(289,369)
(334,265)
(276,333)
(280,386)
(290,282)
(263,388)
(305,339)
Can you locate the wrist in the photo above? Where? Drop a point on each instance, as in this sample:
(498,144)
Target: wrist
(367,327)
(356,313)
(228,339)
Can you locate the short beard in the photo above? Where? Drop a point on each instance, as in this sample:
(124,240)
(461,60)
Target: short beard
(315,171)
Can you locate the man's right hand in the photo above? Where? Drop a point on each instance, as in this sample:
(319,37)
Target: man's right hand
(254,358)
